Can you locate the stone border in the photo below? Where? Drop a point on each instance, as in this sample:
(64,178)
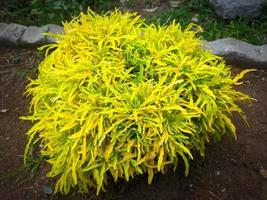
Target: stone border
(235,52)
(27,36)
(239,53)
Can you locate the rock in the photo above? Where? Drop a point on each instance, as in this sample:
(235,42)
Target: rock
(54,29)
(229,9)
(3,26)
(239,53)
(33,36)
(11,34)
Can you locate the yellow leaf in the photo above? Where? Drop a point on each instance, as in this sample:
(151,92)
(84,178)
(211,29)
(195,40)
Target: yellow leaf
(160,159)
(109,150)
(150,175)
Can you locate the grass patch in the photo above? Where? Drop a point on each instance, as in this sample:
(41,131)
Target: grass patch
(250,30)
(40,12)
(27,170)
(26,72)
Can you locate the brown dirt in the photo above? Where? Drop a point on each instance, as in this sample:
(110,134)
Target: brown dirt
(231,169)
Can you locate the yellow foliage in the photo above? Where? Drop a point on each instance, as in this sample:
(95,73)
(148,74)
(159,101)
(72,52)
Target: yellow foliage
(119,97)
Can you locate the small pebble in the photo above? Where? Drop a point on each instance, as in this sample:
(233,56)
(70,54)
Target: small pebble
(47,190)
(194,19)
(3,110)
(217,173)
(263,172)
(234,161)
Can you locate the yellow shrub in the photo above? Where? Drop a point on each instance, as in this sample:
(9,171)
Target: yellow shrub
(118,97)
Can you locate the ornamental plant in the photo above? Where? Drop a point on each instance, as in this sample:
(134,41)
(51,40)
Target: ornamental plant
(118,98)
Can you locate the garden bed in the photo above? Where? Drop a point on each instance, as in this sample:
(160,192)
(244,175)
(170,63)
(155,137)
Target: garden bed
(231,169)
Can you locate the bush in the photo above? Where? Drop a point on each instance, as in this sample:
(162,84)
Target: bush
(118,98)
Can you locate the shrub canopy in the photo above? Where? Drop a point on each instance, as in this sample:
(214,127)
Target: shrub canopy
(120,98)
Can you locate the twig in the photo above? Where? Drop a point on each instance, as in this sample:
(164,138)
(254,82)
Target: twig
(214,195)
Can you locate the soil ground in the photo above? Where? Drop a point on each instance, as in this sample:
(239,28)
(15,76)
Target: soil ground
(231,170)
